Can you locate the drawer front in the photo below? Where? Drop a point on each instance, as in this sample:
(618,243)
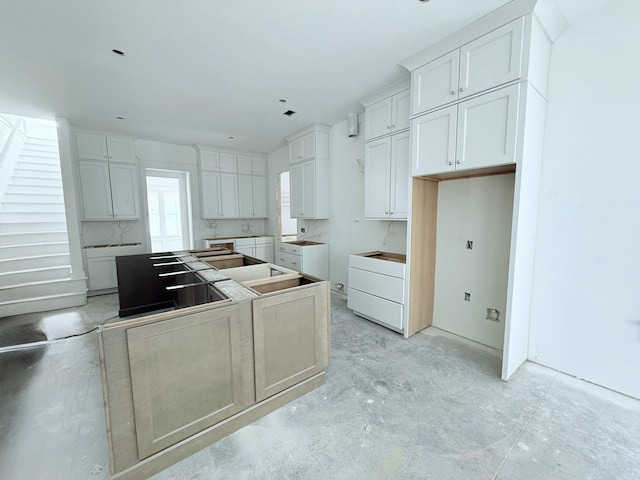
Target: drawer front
(384,286)
(287,248)
(294,262)
(385,267)
(264,241)
(383,311)
(244,242)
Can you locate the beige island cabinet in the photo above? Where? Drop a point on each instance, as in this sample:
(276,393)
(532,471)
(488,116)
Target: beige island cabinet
(177,381)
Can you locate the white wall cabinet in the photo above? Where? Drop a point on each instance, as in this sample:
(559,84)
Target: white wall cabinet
(219,195)
(387,116)
(488,61)
(109,190)
(386,177)
(96,146)
(252,165)
(309,177)
(217,161)
(252,196)
(477,133)
(309,185)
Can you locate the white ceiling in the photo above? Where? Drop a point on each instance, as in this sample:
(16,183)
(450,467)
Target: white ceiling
(200,71)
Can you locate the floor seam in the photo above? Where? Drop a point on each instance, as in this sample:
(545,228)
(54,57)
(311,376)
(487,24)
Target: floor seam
(524,427)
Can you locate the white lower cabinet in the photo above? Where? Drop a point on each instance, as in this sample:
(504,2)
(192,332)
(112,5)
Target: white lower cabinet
(101,264)
(377,287)
(305,257)
(477,133)
(257,247)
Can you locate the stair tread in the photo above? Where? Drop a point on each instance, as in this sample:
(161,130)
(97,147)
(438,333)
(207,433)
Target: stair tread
(46,297)
(33,244)
(31,257)
(40,282)
(39,269)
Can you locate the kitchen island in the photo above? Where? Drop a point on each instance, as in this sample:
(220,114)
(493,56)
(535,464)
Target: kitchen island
(176,381)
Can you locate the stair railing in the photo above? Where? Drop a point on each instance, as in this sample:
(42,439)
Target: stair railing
(11,149)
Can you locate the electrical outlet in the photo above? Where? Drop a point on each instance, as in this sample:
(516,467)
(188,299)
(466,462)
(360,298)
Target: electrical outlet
(493,314)
(338,287)
(303,230)
(469,245)
(467,297)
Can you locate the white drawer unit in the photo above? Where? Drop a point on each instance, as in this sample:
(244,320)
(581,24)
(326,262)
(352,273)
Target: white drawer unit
(101,264)
(377,287)
(257,247)
(303,256)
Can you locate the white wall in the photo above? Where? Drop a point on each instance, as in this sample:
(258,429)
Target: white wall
(477,210)
(585,314)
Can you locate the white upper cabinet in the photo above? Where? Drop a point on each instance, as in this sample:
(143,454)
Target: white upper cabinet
(109,190)
(388,116)
(219,195)
(477,133)
(484,63)
(252,165)
(96,146)
(309,178)
(386,177)
(217,161)
(252,196)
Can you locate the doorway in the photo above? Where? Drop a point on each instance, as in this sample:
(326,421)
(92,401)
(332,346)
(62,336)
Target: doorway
(287,226)
(169,210)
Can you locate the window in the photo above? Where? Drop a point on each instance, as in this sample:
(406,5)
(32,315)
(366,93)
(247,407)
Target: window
(287,226)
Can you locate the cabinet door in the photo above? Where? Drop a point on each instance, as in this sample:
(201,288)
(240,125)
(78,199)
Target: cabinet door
(245,164)
(435,83)
(400,175)
(264,252)
(96,190)
(245,196)
(492,60)
(120,150)
(260,197)
(487,129)
(376,178)
(259,166)
(309,189)
(209,160)
(229,195)
(378,119)
(296,180)
(308,146)
(433,142)
(401,111)
(295,150)
(211,203)
(228,162)
(186,375)
(290,338)
(102,273)
(91,146)
(124,191)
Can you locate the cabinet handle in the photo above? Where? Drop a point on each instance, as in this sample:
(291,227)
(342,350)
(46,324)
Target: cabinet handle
(461,89)
(450,162)
(458,162)
(281,259)
(388,127)
(393,126)
(453,92)
(294,263)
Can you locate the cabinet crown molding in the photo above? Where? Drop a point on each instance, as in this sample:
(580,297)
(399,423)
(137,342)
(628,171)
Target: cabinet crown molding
(207,148)
(386,92)
(491,21)
(316,127)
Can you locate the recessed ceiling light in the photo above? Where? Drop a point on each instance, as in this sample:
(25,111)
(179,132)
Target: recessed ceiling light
(118,52)
(120,118)
(282,100)
(288,113)
(423,1)
(231,138)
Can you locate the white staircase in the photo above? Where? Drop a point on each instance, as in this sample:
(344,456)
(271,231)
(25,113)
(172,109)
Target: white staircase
(35,273)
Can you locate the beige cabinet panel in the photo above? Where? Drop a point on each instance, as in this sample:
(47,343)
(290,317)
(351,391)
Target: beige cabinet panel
(186,375)
(290,338)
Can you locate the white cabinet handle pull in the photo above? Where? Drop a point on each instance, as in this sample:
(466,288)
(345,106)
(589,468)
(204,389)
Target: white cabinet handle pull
(458,162)
(388,127)
(450,162)
(453,92)
(461,90)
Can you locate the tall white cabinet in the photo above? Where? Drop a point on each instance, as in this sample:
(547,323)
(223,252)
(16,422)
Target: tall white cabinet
(108,177)
(309,172)
(387,153)
(478,104)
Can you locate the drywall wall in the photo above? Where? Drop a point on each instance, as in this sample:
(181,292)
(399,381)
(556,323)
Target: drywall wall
(476,210)
(585,314)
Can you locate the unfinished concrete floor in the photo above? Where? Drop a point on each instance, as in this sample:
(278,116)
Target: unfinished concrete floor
(432,406)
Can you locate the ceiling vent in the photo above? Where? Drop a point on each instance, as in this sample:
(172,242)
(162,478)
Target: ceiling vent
(288,113)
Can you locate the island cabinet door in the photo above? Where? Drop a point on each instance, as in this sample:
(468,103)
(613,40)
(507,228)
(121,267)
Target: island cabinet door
(290,335)
(186,375)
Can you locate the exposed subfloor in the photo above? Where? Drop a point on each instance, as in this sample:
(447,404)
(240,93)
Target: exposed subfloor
(431,406)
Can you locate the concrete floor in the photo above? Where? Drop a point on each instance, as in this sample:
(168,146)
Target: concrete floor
(432,406)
